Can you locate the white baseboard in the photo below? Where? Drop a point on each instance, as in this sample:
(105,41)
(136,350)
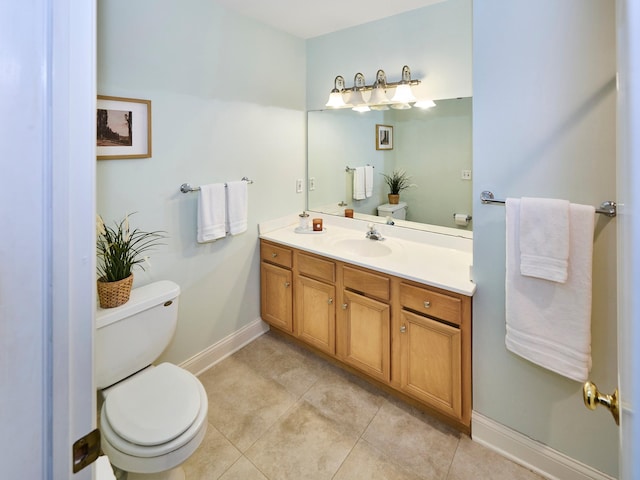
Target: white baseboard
(225,347)
(531,454)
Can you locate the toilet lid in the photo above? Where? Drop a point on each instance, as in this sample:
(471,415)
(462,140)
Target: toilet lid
(155,407)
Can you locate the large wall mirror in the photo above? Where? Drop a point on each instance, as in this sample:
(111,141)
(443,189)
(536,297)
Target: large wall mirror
(432,146)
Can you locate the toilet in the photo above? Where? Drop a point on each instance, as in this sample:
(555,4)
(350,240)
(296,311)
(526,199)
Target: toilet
(152,417)
(397,211)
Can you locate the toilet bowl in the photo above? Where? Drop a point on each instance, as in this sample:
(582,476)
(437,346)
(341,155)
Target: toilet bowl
(153,417)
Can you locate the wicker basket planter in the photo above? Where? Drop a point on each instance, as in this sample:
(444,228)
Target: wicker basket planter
(114,294)
(394,198)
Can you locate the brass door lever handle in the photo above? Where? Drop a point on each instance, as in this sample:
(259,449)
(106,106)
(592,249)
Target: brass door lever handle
(592,397)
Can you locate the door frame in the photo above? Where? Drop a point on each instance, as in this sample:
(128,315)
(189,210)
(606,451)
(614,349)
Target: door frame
(628,265)
(72,226)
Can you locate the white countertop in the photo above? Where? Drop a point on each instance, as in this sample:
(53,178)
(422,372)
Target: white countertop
(442,261)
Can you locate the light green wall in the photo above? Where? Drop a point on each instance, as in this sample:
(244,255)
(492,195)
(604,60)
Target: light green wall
(544,125)
(227,100)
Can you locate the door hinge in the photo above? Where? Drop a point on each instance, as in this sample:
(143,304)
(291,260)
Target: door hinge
(86,450)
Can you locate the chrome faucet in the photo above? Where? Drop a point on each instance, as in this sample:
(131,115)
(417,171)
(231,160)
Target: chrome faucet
(373,234)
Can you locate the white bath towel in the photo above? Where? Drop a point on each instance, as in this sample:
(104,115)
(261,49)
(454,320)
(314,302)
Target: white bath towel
(544,238)
(211,212)
(237,206)
(359,192)
(549,323)
(368,181)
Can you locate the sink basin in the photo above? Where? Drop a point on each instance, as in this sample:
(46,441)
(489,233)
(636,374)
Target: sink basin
(362,247)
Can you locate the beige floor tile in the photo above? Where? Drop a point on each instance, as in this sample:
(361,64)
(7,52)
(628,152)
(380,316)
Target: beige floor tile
(293,367)
(302,445)
(243,469)
(473,461)
(365,463)
(257,352)
(214,455)
(341,398)
(423,445)
(242,403)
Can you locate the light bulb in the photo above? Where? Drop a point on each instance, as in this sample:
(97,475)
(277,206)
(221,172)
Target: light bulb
(403,94)
(335,100)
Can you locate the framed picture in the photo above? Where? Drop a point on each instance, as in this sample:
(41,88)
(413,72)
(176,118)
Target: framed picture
(384,137)
(123,128)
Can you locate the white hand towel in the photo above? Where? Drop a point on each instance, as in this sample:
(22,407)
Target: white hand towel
(358,184)
(368,181)
(549,323)
(544,238)
(211,212)
(237,206)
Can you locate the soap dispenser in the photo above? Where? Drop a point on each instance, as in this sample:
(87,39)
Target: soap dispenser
(304,221)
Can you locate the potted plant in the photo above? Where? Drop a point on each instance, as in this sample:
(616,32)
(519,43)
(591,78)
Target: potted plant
(119,250)
(397,181)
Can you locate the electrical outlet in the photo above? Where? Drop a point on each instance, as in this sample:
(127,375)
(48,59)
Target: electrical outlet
(466,175)
(312,184)
(299,185)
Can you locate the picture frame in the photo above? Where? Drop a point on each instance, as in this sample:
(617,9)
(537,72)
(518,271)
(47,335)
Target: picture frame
(123,128)
(384,137)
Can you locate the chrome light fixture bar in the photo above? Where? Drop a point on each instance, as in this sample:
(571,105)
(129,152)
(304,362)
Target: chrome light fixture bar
(377,93)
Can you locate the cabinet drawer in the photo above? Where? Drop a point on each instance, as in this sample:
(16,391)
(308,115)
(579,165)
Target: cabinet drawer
(274,254)
(316,267)
(428,302)
(366,282)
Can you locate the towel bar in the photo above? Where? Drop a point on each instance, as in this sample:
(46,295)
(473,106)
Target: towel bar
(186,188)
(608,208)
(350,169)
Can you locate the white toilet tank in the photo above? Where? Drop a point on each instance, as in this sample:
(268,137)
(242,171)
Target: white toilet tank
(130,337)
(398,210)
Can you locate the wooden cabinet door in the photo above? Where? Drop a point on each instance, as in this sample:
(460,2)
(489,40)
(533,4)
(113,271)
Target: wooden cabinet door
(363,335)
(430,362)
(316,314)
(276,297)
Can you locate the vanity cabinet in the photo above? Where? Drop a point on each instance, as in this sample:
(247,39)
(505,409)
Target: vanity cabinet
(363,328)
(276,292)
(411,338)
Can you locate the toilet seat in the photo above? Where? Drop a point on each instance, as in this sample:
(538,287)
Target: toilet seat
(155,407)
(134,457)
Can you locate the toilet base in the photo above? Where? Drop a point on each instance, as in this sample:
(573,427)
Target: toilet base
(173,474)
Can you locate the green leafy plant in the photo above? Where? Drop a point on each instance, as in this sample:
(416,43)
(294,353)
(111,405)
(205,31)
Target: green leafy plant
(120,249)
(397,181)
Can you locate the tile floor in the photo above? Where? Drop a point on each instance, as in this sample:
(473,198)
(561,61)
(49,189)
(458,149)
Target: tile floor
(277,411)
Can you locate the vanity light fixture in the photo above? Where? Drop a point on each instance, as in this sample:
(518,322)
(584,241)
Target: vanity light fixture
(379,99)
(404,95)
(424,104)
(357,100)
(336,100)
(355,97)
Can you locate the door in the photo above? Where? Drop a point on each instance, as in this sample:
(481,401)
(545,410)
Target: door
(316,314)
(628,185)
(47,250)
(364,335)
(276,296)
(431,362)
